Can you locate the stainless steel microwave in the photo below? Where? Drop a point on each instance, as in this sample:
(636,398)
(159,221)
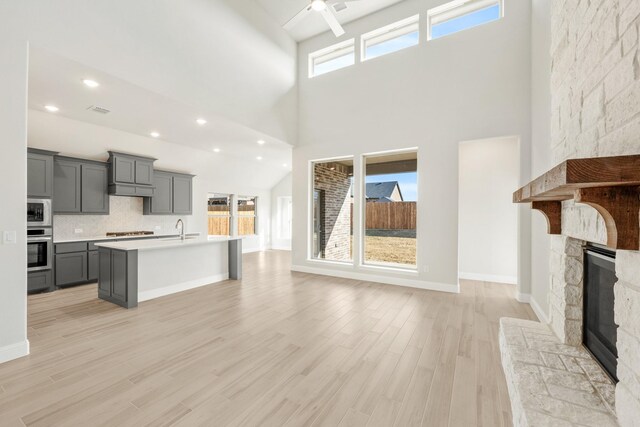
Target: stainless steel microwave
(38,212)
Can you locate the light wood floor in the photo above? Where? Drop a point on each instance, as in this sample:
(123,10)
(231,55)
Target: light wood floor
(277,349)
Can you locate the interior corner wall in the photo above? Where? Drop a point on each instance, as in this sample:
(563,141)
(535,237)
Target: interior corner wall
(281,189)
(13,188)
(488,220)
(540,149)
(471,85)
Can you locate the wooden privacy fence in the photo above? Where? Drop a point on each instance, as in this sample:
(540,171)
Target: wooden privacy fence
(390,216)
(219,225)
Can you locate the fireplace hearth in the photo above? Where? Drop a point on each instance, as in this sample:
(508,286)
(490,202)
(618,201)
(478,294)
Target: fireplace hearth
(599,328)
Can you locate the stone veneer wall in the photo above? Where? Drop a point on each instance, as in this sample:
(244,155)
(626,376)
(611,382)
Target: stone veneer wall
(595,86)
(336,220)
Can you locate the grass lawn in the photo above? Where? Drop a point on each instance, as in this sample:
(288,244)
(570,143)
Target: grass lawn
(397,250)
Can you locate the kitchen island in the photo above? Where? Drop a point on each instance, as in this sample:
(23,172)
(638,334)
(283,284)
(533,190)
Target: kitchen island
(134,271)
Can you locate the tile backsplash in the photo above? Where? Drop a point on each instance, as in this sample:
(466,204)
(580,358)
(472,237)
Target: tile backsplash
(125,214)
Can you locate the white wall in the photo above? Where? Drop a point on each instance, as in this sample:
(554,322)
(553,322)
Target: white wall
(281,189)
(540,149)
(488,220)
(467,86)
(13,188)
(214,174)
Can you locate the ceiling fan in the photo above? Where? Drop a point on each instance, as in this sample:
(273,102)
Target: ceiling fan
(324,7)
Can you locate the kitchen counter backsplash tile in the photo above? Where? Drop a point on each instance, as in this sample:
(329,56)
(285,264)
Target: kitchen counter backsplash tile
(125,215)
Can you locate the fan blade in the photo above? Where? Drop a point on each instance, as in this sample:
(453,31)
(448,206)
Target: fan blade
(332,21)
(299,17)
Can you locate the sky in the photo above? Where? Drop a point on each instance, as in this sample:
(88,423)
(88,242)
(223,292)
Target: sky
(408,182)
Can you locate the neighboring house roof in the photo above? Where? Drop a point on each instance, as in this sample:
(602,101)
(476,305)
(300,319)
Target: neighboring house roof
(383,191)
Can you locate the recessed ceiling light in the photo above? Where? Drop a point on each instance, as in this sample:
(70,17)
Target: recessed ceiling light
(216,150)
(261,141)
(318,5)
(90,83)
(201,122)
(51,108)
(155,134)
(259,158)
(284,165)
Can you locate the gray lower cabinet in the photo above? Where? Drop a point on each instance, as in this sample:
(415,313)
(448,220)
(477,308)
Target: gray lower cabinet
(39,173)
(66,186)
(80,187)
(39,281)
(173,194)
(95,189)
(71,268)
(118,281)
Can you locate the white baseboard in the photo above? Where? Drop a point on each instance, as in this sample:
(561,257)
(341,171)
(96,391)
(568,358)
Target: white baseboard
(184,286)
(14,351)
(538,311)
(397,281)
(281,248)
(511,280)
(524,298)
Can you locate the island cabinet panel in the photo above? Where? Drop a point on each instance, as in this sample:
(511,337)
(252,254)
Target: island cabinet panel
(92,269)
(71,268)
(67,188)
(161,203)
(118,280)
(182,194)
(124,169)
(95,189)
(39,174)
(104,272)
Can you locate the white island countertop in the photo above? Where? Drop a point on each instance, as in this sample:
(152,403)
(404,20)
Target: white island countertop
(172,242)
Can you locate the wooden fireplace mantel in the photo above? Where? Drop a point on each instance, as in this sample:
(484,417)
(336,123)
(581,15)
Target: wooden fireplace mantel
(609,184)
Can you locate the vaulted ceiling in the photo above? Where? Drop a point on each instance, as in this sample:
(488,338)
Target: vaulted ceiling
(283,10)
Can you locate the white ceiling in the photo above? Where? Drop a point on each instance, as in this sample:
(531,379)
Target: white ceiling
(57,80)
(283,10)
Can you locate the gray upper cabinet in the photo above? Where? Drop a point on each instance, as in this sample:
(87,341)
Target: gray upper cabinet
(80,187)
(144,172)
(130,175)
(124,169)
(173,194)
(95,189)
(161,203)
(66,185)
(40,173)
(182,194)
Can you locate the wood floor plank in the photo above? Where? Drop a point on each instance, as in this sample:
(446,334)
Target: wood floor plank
(276,348)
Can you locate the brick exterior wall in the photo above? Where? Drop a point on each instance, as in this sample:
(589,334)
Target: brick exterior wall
(595,87)
(336,210)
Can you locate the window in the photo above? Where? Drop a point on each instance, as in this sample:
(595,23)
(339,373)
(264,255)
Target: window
(460,15)
(332,215)
(332,58)
(397,36)
(219,215)
(247,224)
(390,209)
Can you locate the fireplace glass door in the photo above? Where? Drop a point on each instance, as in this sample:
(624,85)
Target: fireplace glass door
(600,330)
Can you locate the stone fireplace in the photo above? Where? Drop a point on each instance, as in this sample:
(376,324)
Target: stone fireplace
(595,89)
